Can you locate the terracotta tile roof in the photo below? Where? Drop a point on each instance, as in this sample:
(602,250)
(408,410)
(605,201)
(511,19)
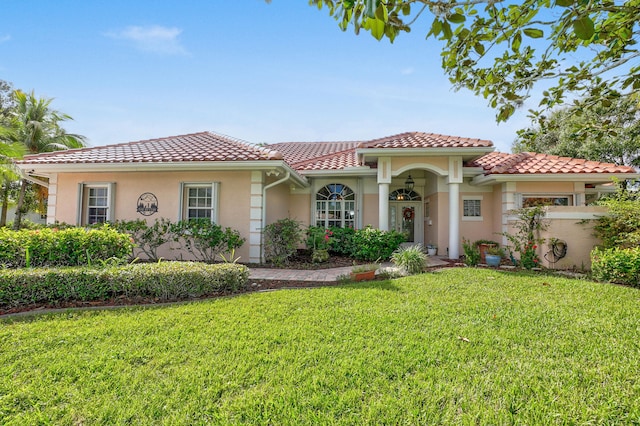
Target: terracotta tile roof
(532,163)
(204,146)
(425,140)
(335,161)
(298,152)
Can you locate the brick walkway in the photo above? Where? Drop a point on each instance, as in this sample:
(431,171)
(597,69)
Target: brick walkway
(317,275)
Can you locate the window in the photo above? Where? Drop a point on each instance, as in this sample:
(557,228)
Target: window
(546,200)
(336,206)
(472,208)
(199,201)
(95,203)
(404,195)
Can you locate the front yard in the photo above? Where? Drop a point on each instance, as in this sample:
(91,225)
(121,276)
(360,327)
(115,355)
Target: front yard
(462,345)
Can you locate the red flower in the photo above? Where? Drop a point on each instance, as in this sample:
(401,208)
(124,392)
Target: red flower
(535,247)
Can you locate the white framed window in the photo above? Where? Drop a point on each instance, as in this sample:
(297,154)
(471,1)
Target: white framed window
(335,206)
(95,203)
(472,208)
(199,201)
(532,200)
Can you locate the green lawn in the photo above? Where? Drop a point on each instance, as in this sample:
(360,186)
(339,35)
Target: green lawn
(460,346)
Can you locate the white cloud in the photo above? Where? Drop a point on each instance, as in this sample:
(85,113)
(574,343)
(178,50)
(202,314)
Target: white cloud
(5,38)
(155,39)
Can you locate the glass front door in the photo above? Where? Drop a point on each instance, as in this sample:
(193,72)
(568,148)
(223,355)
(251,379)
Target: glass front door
(403,217)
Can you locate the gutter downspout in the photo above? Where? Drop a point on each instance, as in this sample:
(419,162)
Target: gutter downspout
(264,209)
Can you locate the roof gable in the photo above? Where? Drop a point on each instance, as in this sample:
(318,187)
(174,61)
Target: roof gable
(425,140)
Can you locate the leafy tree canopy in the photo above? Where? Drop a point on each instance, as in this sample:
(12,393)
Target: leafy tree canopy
(608,132)
(500,50)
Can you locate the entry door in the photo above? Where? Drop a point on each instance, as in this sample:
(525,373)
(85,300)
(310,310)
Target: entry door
(406,217)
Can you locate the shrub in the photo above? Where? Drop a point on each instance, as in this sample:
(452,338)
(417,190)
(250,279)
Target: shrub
(616,265)
(525,240)
(342,240)
(161,281)
(62,247)
(281,240)
(471,253)
(620,227)
(372,244)
(205,239)
(412,259)
(148,239)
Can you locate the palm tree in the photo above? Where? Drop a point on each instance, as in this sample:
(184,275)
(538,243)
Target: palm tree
(36,126)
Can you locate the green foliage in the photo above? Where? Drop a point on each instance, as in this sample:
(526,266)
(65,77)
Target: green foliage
(161,281)
(616,265)
(205,240)
(525,240)
(281,239)
(471,253)
(372,244)
(501,50)
(606,131)
(319,238)
(341,240)
(148,239)
(412,259)
(620,227)
(62,247)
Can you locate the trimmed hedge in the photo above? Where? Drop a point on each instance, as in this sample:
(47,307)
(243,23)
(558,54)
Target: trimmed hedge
(62,247)
(616,265)
(162,281)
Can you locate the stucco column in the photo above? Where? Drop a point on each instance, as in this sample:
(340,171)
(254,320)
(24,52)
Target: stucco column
(383,206)
(454,220)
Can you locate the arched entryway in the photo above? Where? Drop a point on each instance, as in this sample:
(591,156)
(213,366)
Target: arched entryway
(405,214)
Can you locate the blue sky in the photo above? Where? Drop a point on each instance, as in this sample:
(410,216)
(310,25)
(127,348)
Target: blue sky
(131,70)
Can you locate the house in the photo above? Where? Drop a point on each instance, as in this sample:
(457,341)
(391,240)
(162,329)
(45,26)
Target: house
(437,189)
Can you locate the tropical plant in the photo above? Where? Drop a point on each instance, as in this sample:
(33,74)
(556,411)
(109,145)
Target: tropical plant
(205,240)
(526,238)
(412,259)
(37,127)
(471,253)
(148,239)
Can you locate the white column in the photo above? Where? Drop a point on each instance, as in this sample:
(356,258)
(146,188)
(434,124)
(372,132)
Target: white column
(383,206)
(255,218)
(454,220)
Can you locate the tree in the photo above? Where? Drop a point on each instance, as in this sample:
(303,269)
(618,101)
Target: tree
(500,50)
(599,132)
(36,126)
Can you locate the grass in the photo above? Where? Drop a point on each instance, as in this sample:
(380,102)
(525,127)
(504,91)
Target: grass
(461,346)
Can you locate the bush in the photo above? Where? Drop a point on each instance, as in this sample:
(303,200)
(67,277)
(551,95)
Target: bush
(161,281)
(342,240)
(204,239)
(372,244)
(471,253)
(281,240)
(620,227)
(616,265)
(148,239)
(62,247)
(412,259)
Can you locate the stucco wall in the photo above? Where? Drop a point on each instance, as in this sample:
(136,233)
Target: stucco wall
(234,197)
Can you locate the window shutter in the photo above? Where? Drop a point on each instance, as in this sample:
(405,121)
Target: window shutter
(215,190)
(79,210)
(111,214)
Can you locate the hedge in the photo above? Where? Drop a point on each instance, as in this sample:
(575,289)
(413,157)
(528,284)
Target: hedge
(62,247)
(162,281)
(616,265)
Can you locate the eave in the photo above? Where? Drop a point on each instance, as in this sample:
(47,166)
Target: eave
(551,177)
(466,153)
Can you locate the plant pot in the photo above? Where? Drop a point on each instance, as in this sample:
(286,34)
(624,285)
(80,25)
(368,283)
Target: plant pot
(492,259)
(484,247)
(363,276)
(432,251)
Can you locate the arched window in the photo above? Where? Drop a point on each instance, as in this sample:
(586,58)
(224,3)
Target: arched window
(336,206)
(404,195)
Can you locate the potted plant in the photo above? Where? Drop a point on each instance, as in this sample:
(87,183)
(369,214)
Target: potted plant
(493,256)
(432,249)
(364,272)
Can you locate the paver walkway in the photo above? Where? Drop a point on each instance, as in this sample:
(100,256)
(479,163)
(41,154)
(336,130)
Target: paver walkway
(317,275)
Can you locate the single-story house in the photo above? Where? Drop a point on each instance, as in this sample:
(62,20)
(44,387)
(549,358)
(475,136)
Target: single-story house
(437,189)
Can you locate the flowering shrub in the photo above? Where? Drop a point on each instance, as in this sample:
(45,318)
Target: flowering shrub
(528,256)
(319,238)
